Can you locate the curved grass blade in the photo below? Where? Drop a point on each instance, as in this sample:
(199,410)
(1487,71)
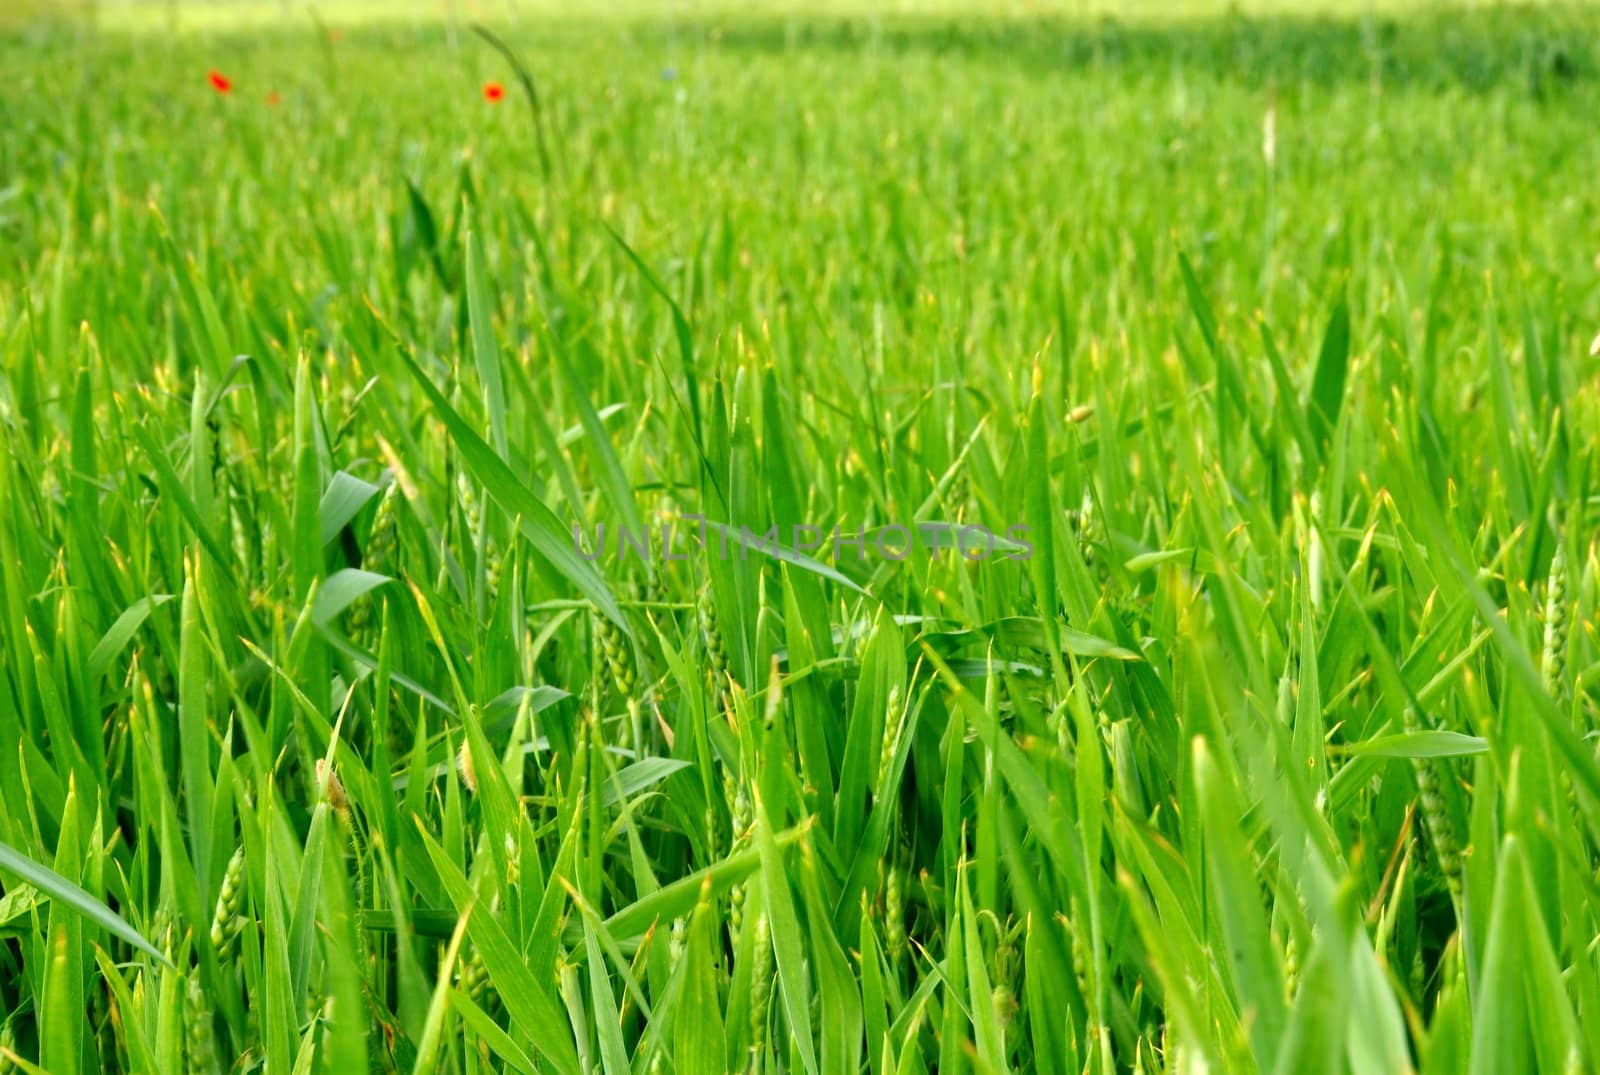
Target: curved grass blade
(70,895)
(529,88)
(122,631)
(537,522)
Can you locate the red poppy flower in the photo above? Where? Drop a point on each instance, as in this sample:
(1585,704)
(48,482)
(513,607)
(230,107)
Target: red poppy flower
(219,82)
(273,99)
(493,91)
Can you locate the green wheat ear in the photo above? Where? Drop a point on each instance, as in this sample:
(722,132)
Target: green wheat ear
(226,921)
(618,656)
(1557,625)
(715,650)
(1435,812)
(200,1048)
(761,985)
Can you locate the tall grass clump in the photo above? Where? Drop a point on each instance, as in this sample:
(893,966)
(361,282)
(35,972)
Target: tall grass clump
(339,733)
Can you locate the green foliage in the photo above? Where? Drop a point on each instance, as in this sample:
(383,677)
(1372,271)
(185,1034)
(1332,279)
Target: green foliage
(322,748)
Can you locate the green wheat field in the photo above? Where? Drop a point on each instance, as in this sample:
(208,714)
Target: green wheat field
(332,340)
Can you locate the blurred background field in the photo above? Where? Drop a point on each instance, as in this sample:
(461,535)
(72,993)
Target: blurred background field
(218,14)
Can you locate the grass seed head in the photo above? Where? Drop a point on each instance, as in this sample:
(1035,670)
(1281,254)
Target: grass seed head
(328,777)
(469,775)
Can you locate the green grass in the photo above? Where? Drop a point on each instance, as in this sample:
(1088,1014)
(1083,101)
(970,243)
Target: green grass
(321,750)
